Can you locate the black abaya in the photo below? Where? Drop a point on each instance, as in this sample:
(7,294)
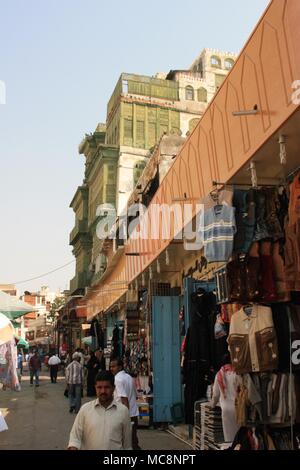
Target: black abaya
(93,366)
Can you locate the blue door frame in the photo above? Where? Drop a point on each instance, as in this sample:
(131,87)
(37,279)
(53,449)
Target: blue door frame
(167,388)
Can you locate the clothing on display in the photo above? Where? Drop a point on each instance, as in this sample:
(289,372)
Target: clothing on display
(244,204)
(227,310)
(270,205)
(219,229)
(136,360)
(8,366)
(243,279)
(266,398)
(252,340)
(294,205)
(273,211)
(264,269)
(292,256)
(97,334)
(265,263)
(260,278)
(220,328)
(202,352)
(261,438)
(257,234)
(276,220)
(132,341)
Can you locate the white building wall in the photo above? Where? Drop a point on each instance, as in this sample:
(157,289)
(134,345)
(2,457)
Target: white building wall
(129,157)
(185,119)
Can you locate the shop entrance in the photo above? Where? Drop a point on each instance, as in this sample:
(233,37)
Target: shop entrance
(166,356)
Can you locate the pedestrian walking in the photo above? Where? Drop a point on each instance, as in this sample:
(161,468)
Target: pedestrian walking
(20,363)
(29,356)
(46,360)
(125,392)
(82,362)
(80,353)
(35,366)
(102,424)
(53,363)
(74,379)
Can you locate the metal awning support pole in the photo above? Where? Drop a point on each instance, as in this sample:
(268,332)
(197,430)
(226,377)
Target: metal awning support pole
(252,169)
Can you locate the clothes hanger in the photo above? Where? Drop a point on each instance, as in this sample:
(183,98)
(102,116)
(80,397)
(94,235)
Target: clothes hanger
(197,295)
(200,291)
(215,196)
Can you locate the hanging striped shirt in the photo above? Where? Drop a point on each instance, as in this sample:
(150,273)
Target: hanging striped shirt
(74,373)
(219,230)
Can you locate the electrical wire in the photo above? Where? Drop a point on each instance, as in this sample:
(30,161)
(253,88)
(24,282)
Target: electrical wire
(43,275)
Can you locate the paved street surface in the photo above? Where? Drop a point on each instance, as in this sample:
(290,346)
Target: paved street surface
(39,418)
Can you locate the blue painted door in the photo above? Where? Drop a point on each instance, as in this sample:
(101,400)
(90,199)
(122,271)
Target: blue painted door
(166,356)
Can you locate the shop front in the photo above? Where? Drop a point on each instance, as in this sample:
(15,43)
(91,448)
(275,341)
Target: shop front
(68,325)
(240,167)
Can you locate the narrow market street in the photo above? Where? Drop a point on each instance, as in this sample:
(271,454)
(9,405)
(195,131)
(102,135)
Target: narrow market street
(150,250)
(39,419)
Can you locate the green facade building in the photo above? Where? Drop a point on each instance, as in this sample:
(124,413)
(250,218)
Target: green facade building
(140,111)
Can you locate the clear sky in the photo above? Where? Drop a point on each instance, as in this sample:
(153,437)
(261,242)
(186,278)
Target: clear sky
(60,60)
